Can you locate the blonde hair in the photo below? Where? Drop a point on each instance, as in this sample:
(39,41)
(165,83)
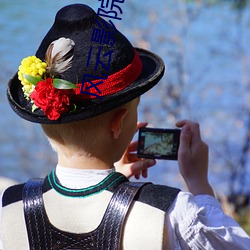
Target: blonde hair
(80,136)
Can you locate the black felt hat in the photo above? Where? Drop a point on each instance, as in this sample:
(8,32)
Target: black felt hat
(125,72)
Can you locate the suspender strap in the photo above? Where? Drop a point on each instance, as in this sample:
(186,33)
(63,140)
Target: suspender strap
(106,237)
(38,233)
(113,221)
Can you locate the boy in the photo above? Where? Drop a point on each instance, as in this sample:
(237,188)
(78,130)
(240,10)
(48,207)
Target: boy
(90,126)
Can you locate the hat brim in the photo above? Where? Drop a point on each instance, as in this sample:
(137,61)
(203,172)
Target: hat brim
(152,72)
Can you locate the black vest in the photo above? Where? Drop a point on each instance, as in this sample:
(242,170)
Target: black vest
(44,236)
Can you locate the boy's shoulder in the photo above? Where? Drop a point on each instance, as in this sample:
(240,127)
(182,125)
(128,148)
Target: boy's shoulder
(14,194)
(158,196)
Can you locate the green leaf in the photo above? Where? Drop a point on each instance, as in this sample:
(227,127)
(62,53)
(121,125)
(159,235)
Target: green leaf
(63,84)
(34,108)
(32,79)
(74,108)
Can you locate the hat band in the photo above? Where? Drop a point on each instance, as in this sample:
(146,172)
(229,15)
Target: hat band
(112,84)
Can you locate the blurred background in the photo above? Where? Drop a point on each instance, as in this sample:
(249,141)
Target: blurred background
(205,46)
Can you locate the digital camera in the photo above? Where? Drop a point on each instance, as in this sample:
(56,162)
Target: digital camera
(155,143)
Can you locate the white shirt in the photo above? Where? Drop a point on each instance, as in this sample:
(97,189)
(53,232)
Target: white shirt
(192,222)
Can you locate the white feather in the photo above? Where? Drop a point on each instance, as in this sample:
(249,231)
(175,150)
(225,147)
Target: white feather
(57,53)
(62,46)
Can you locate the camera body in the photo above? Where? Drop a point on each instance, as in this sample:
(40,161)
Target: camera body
(156,143)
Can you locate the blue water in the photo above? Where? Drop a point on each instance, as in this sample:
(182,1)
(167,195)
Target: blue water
(208,68)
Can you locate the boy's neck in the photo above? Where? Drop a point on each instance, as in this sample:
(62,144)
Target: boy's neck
(84,162)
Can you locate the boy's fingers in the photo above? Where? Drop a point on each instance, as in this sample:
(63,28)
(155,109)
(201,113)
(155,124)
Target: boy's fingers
(194,127)
(144,173)
(133,158)
(141,125)
(185,139)
(181,123)
(137,176)
(143,164)
(184,122)
(196,132)
(132,146)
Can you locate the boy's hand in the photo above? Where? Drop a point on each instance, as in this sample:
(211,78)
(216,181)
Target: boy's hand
(193,158)
(130,165)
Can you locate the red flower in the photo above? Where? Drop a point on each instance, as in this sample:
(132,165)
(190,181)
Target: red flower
(52,101)
(78,90)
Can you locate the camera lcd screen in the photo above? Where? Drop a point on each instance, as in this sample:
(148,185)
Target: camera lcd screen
(158,143)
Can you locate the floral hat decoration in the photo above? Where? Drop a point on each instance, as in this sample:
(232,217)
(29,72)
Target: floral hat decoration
(83,67)
(39,81)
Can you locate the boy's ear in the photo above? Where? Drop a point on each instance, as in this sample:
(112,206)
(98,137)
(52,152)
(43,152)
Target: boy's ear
(117,122)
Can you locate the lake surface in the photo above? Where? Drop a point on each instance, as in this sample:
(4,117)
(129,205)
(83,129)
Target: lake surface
(207,58)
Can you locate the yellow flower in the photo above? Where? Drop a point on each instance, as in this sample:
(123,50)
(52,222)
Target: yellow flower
(31,66)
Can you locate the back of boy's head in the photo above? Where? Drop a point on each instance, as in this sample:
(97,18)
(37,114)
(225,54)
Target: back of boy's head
(85,135)
(80,136)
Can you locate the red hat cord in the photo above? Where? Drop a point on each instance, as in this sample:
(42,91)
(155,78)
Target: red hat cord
(113,83)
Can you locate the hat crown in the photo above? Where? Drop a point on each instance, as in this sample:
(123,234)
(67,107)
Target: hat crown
(79,22)
(75,13)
